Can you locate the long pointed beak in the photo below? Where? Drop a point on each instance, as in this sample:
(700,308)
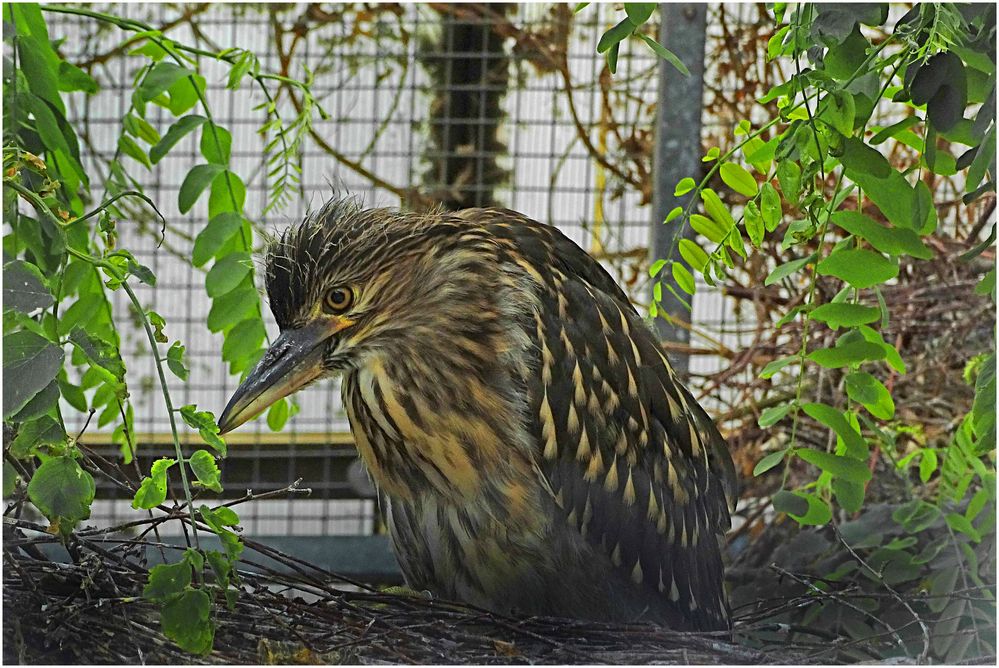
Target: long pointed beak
(291,363)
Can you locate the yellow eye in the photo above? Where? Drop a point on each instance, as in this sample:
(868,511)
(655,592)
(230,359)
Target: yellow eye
(338,300)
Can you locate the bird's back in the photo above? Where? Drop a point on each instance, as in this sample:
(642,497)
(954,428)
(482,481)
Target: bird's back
(634,463)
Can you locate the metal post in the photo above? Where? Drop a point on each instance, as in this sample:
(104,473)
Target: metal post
(678,147)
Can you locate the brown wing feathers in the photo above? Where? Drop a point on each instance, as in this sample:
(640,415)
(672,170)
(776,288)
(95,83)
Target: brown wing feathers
(634,463)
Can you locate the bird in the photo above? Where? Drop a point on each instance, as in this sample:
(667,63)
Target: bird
(533,449)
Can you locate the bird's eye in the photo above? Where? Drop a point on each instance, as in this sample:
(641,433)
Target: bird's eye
(338,300)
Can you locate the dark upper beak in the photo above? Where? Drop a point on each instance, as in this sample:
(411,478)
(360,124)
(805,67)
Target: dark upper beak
(291,363)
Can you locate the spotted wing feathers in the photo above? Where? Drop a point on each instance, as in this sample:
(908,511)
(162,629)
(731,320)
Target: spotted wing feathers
(635,464)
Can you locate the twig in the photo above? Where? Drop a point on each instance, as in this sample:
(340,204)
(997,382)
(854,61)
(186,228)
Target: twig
(922,625)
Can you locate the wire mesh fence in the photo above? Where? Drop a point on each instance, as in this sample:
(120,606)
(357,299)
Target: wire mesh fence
(469,105)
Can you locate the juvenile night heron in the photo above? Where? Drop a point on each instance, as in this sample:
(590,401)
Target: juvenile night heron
(533,449)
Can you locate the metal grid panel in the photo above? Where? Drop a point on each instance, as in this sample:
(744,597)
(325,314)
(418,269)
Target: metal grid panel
(380,103)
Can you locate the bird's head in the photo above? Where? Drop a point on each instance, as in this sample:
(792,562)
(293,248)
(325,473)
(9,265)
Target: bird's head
(349,284)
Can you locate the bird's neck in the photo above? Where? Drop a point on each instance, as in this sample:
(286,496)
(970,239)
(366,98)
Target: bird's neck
(425,427)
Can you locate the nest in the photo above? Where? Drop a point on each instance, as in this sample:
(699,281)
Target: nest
(89,608)
(92,611)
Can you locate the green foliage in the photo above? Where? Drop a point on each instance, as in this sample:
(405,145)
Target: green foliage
(62,348)
(808,185)
(62,491)
(637,14)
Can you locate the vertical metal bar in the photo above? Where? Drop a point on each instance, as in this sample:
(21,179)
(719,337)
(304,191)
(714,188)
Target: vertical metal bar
(678,147)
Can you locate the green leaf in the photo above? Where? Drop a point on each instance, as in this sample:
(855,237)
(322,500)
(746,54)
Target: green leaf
(128,146)
(760,154)
(693,254)
(947,102)
(41,431)
(984,159)
(738,179)
(892,357)
(175,360)
(242,341)
(713,153)
(228,194)
(770,207)
(99,352)
(158,323)
(987,285)
(894,241)
(961,524)
(47,124)
(227,274)
(177,131)
(195,183)
(184,94)
(277,415)
(36,62)
(206,470)
(776,365)
(24,288)
(205,423)
(656,267)
(708,227)
(902,204)
(853,443)
(859,267)
(789,177)
(916,515)
(755,226)
(674,212)
(611,56)
(773,415)
(845,315)
(683,278)
(140,127)
(615,35)
(715,208)
(849,494)
(72,78)
(186,621)
(791,503)
(776,42)
(894,129)
(153,490)
(768,462)
(868,391)
(218,520)
(665,54)
(62,491)
(847,354)
(639,12)
(10,478)
(167,581)
(30,363)
(216,144)
(224,516)
(40,404)
(160,78)
(836,465)
(214,236)
(859,158)
(141,271)
(838,109)
(927,464)
(847,57)
(983,411)
(782,271)
(232,307)
(818,511)
(684,186)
